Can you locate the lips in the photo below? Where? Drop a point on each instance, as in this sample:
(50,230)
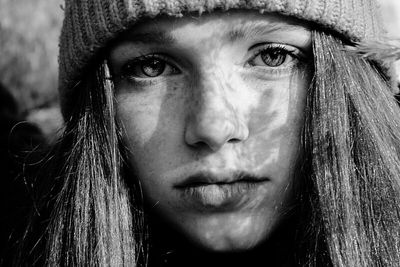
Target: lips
(210,192)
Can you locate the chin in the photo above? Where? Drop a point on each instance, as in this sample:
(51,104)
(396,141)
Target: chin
(229,233)
(228,245)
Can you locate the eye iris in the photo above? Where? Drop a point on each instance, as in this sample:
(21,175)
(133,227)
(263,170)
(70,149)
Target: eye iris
(153,67)
(273,58)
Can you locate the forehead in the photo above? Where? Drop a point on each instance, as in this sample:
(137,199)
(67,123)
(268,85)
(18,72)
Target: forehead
(225,26)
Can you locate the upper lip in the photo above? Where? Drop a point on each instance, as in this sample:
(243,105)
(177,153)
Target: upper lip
(209,178)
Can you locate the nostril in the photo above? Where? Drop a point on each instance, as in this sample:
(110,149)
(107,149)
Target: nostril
(213,132)
(234,140)
(199,145)
(212,144)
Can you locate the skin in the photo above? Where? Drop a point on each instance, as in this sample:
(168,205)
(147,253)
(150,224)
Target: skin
(216,107)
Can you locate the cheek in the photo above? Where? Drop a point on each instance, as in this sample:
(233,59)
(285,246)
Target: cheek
(275,125)
(139,118)
(151,123)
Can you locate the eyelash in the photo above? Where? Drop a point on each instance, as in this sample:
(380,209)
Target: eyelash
(127,73)
(138,62)
(277,49)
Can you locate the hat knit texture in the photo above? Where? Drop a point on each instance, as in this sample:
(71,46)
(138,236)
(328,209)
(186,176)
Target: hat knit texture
(90,24)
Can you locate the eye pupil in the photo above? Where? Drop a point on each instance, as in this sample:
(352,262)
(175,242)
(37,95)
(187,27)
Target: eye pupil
(153,67)
(273,58)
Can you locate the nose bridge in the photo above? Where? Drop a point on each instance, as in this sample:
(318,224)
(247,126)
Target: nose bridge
(214,120)
(213,99)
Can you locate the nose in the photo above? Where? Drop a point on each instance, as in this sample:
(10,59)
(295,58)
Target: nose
(213,120)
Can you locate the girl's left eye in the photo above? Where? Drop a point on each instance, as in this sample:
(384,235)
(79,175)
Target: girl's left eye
(147,67)
(274,56)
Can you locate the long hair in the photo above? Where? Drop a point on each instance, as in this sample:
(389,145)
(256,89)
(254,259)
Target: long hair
(351,142)
(349,197)
(94,217)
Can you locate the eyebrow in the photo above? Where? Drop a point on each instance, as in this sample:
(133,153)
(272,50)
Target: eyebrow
(154,37)
(248,30)
(238,32)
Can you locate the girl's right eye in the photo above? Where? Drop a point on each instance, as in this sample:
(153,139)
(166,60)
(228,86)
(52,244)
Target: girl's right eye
(147,67)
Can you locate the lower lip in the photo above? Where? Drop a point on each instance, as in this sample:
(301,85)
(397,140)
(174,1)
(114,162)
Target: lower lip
(220,197)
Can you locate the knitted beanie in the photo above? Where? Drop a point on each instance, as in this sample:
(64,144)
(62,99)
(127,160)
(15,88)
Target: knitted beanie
(90,24)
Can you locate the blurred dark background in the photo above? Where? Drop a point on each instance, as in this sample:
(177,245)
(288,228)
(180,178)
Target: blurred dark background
(29,111)
(29,31)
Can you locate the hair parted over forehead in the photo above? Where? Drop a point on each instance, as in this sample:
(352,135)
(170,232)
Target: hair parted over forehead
(90,25)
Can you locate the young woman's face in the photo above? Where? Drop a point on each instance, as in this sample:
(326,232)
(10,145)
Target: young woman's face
(212,110)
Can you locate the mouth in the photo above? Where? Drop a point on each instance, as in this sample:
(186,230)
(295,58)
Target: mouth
(210,192)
